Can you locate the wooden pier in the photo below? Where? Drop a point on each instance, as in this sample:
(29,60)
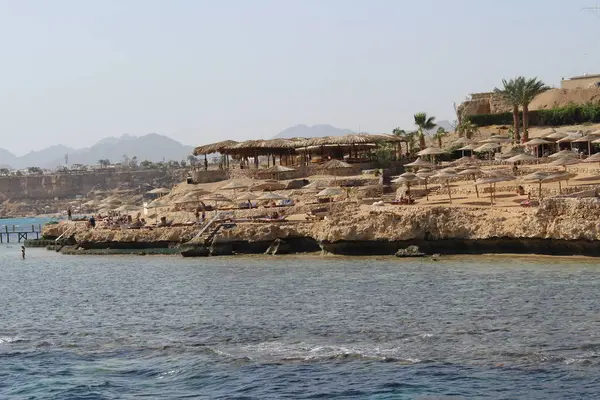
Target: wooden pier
(20,233)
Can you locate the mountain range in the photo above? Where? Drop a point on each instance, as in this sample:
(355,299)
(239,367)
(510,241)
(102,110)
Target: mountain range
(151,147)
(305,131)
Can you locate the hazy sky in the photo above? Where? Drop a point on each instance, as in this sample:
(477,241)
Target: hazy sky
(75,71)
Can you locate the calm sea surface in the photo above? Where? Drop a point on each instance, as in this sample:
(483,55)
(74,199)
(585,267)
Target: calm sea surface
(297,327)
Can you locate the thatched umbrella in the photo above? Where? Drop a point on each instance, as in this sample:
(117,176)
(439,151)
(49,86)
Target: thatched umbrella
(556,135)
(466,160)
(521,157)
(270,196)
(559,177)
(593,158)
(462,141)
(159,191)
(488,181)
(570,138)
(127,208)
(536,143)
(269,185)
(407,178)
(563,153)
(330,192)
(538,177)
(587,139)
(216,197)
(419,162)
(469,147)
(564,161)
(316,185)
(425,174)
(155,205)
(446,175)
(247,196)
(488,148)
(234,185)
(474,171)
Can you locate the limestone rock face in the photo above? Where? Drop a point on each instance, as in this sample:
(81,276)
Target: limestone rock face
(565,219)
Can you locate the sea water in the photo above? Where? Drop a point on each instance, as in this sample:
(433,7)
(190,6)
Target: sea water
(297,327)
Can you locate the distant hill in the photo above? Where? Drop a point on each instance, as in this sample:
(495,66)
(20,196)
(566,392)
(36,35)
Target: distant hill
(152,147)
(306,131)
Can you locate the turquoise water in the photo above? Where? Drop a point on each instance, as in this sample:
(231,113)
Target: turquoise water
(297,327)
(23,223)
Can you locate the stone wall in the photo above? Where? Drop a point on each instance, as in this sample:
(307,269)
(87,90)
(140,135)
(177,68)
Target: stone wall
(202,176)
(484,103)
(69,185)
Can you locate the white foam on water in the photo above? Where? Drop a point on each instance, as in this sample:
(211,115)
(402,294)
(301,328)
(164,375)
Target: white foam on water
(9,339)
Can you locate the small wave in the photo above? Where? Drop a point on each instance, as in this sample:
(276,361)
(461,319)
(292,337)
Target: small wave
(10,339)
(303,352)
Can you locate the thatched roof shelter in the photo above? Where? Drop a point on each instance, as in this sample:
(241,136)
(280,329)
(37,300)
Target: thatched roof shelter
(430,151)
(219,147)
(521,157)
(563,153)
(349,140)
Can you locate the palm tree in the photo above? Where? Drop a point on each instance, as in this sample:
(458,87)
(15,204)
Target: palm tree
(530,89)
(424,123)
(511,92)
(467,128)
(399,133)
(439,135)
(411,141)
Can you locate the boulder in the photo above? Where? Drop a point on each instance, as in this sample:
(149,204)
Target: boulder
(410,251)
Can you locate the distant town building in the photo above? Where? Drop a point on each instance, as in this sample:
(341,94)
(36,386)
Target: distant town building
(581,82)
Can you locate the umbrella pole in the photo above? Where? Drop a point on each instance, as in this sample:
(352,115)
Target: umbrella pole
(449,194)
(491,198)
(559,188)
(540,189)
(426,191)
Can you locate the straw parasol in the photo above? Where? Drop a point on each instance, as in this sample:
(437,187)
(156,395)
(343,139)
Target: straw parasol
(466,160)
(270,196)
(462,141)
(587,139)
(234,185)
(278,168)
(488,148)
(559,177)
(330,192)
(488,181)
(269,185)
(190,198)
(495,140)
(157,204)
(563,153)
(593,158)
(216,197)
(469,147)
(127,208)
(407,178)
(160,191)
(431,151)
(538,177)
(564,161)
(316,185)
(521,157)
(335,164)
(425,174)
(471,171)
(446,175)
(556,135)
(419,162)
(537,142)
(246,196)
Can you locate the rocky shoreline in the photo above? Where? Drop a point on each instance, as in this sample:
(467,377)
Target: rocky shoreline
(557,227)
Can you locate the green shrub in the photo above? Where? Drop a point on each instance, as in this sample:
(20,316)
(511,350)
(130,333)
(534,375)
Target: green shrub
(572,114)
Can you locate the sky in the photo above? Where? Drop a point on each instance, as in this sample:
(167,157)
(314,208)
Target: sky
(74,72)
